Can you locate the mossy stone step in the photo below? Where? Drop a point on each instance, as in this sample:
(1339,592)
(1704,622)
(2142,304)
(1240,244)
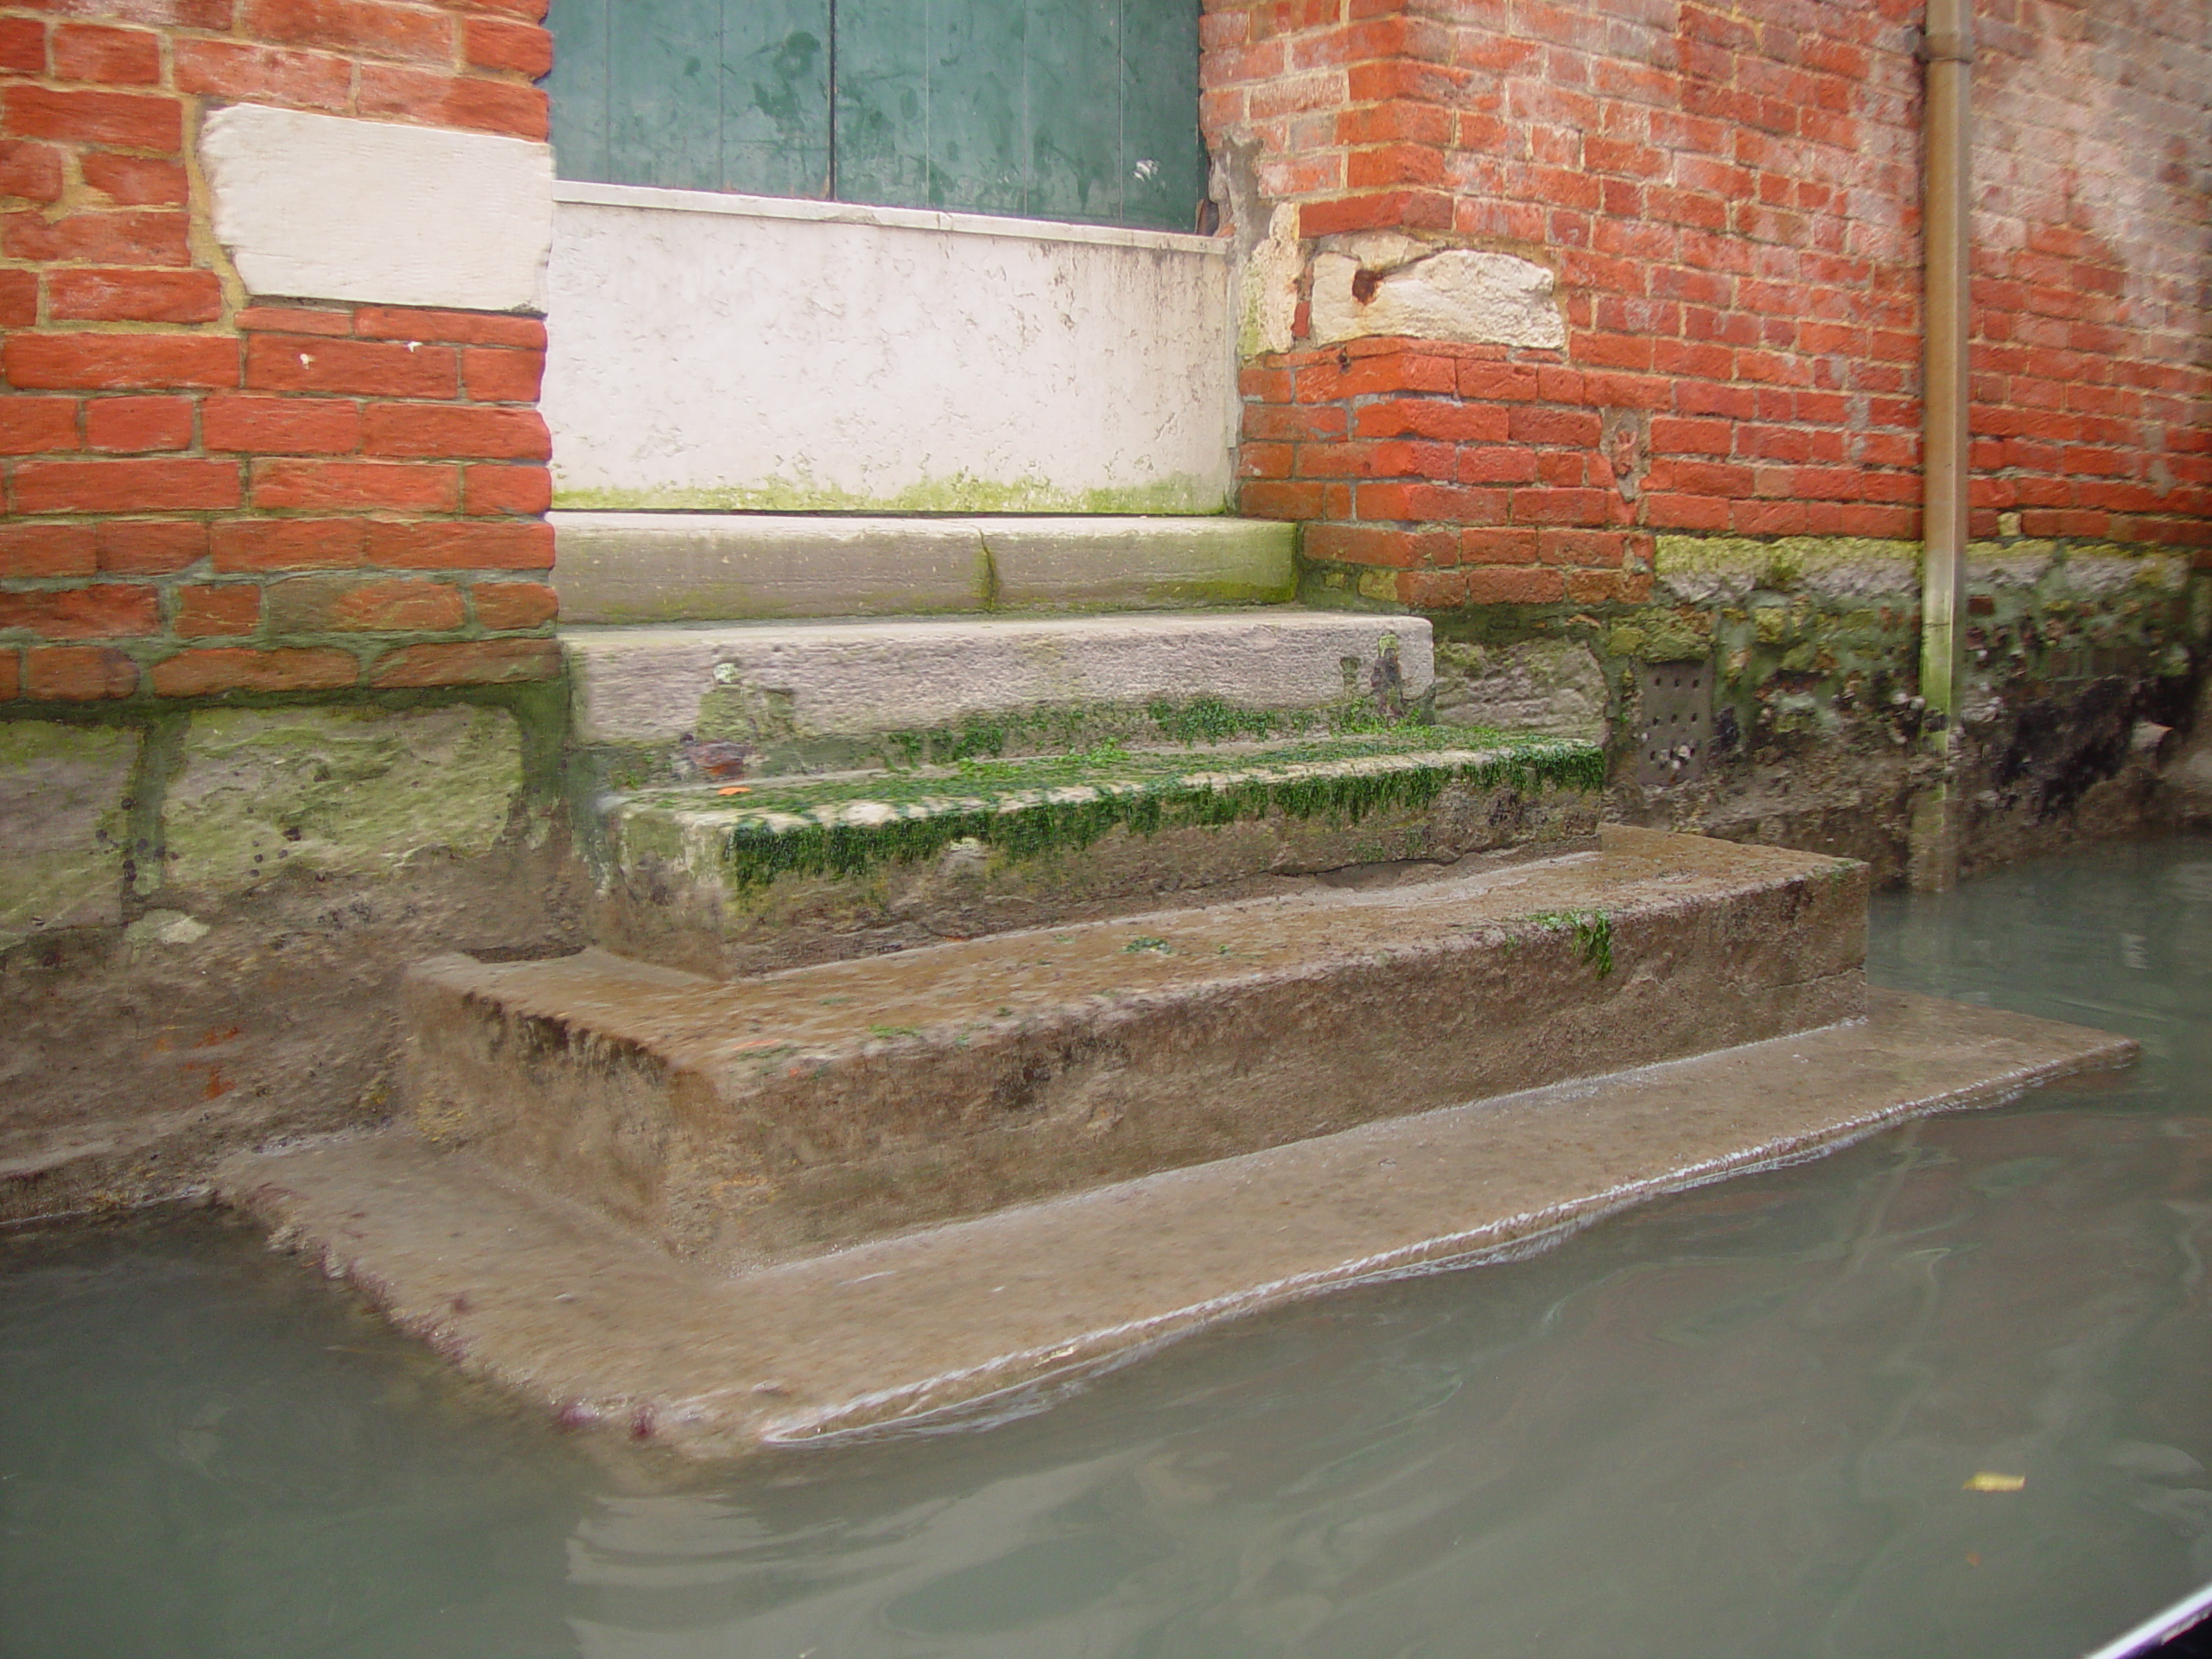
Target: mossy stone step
(809,697)
(747,877)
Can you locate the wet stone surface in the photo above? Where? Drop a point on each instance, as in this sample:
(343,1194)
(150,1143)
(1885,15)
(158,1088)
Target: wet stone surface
(1738,1421)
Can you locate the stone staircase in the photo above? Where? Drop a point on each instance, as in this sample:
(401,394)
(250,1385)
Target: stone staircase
(1146,962)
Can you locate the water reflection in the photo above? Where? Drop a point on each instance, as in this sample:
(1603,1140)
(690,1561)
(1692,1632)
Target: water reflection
(1746,1421)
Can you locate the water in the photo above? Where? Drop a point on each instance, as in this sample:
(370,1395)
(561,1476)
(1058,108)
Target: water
(1738,1422)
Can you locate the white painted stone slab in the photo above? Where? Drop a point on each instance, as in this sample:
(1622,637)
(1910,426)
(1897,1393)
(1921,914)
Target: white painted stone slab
(726,351)
(325,207)
(645,684)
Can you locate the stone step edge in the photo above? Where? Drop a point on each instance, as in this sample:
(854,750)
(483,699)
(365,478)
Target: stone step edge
(550,1302)
(1554,763)
(821,681)
(665,567)
(756,843)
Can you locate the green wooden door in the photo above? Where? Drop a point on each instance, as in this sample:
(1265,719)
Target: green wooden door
(698,94)
(1082,110)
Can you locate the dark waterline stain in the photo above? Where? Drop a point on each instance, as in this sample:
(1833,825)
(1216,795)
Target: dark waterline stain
(1944,1393)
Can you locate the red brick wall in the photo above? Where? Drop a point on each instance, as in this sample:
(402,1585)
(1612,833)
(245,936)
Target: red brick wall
(205,495)
(1729,197)
(2093,259)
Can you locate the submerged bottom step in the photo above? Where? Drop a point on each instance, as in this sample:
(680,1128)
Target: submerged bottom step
(549,1300)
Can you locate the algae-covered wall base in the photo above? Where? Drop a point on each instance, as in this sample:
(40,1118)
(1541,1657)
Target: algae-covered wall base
(201,936)
(2083,664)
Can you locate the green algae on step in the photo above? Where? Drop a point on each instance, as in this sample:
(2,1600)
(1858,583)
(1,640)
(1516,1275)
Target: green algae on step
(1031,809)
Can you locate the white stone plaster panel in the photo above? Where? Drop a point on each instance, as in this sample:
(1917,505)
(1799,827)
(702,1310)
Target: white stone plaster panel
(645,685)
(325,206)
(703,356)
(1459,294)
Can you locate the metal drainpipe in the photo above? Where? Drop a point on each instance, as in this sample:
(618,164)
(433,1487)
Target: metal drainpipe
(1948,48)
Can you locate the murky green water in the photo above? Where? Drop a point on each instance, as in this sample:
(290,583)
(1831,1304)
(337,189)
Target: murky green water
(1738,1422)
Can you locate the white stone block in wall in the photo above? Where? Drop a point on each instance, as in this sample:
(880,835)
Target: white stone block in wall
(328,207)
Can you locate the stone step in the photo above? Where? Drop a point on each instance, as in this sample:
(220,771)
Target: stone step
(813,696)
(727,879)
(737,1123)
(707,567)
(594,1325)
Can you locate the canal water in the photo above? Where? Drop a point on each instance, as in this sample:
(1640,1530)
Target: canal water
(1947,1392)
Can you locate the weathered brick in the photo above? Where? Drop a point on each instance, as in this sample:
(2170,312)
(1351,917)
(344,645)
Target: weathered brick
(241,545)
(127,120)
(246,425)
(344,605)
(216,609)
(362,27)
(150,547)
(432,545)
(499,376)
(498,491)
(454,430)
(112,57)
(134,295)
(163,486)
(33,426)
(267,74)
(474,662)
(141,236)
(1500,585)
(138,425)
(30,171)
(497,43)
(364,368)
(78,674)
(354,487)
(102,611)
(449,327)
(208,673)
(47,551)
(468,101)
(134,181)
(507,605)
(23,45)
(89,362)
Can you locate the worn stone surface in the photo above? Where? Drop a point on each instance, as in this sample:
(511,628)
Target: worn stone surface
(351,791)
(827,679)
(1109,564)
(592,1325)
(65,815)
(1385,283)
(131,1059)
(2187,796)
(1552,686)
(243,989)
(752,1120)
(777,877)
(656,567)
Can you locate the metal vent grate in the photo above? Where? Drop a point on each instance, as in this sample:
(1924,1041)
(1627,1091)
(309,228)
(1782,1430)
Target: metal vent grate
(1677,699)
